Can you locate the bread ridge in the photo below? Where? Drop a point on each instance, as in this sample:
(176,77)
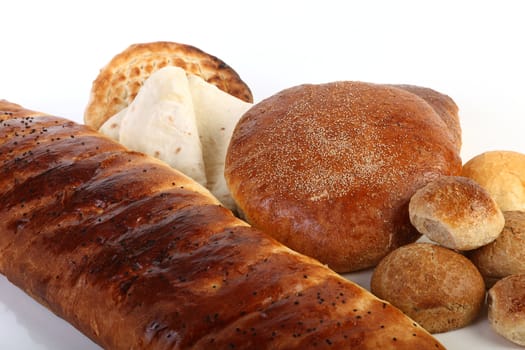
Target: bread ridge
(136,255)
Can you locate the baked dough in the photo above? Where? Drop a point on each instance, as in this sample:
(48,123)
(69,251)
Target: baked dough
(437,287)
(329,169)
(120,80)
(506,312)
(502,173)
(138,256)
(184,121)
(506,255)
(456,212)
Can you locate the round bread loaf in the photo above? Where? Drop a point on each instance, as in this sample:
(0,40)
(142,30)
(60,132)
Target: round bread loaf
(502,173)
(329,169)
(506,255)
(456,212)
(443,105)
(435,286)
(506,304)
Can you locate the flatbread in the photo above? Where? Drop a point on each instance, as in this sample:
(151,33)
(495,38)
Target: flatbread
(175,110)
(161,123)
(120,80)
(216,113)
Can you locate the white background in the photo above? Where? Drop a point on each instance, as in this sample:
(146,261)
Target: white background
(50,52)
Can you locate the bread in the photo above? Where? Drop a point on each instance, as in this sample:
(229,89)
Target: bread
(184,121)
(504,256)
(120,80)
(506,312)
(502,173)
(138,256)
(444,106)
(329,169)
(437,287)
(456,212)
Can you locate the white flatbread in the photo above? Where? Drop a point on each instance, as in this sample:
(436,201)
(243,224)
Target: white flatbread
(111,127)
(161,122)
(184,121)
(217,113)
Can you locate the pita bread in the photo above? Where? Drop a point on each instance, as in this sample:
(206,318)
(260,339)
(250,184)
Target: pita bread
(161,123)
(217,113)
(163,117)
(120,80)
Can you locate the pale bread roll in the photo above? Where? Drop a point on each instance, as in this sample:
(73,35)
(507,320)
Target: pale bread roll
(120,80)
(502,173)
(456,212)
(506,255)
(161,122)
(506,300)
(437,287)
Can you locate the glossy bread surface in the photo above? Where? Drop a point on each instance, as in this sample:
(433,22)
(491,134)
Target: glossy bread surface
(138,256)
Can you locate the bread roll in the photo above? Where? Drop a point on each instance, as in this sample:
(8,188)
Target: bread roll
(437,287)
(506,300)
(506,255)
(502,173)
(120,80)
(456,212)
(329,169)
(138,256)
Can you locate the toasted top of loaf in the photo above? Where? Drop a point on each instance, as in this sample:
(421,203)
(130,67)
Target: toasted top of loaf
(120,80)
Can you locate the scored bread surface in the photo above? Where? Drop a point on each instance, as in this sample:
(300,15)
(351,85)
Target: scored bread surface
(120,80)
(138,256)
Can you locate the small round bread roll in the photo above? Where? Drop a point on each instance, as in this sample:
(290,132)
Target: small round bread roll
(329,169)
(506,304)
(502,173)
(435,286)
(506,255)
(456,212)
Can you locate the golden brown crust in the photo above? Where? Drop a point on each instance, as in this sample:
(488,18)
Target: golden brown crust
(444,106)
(456,212)
(439,288)
(506,300)
(120,80)
(504,256)
(502,173)
(329,169)
(136,255)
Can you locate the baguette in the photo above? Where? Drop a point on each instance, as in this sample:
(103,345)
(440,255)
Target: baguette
(138,256)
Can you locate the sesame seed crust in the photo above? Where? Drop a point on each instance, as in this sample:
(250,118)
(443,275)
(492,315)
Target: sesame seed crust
(328,169)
